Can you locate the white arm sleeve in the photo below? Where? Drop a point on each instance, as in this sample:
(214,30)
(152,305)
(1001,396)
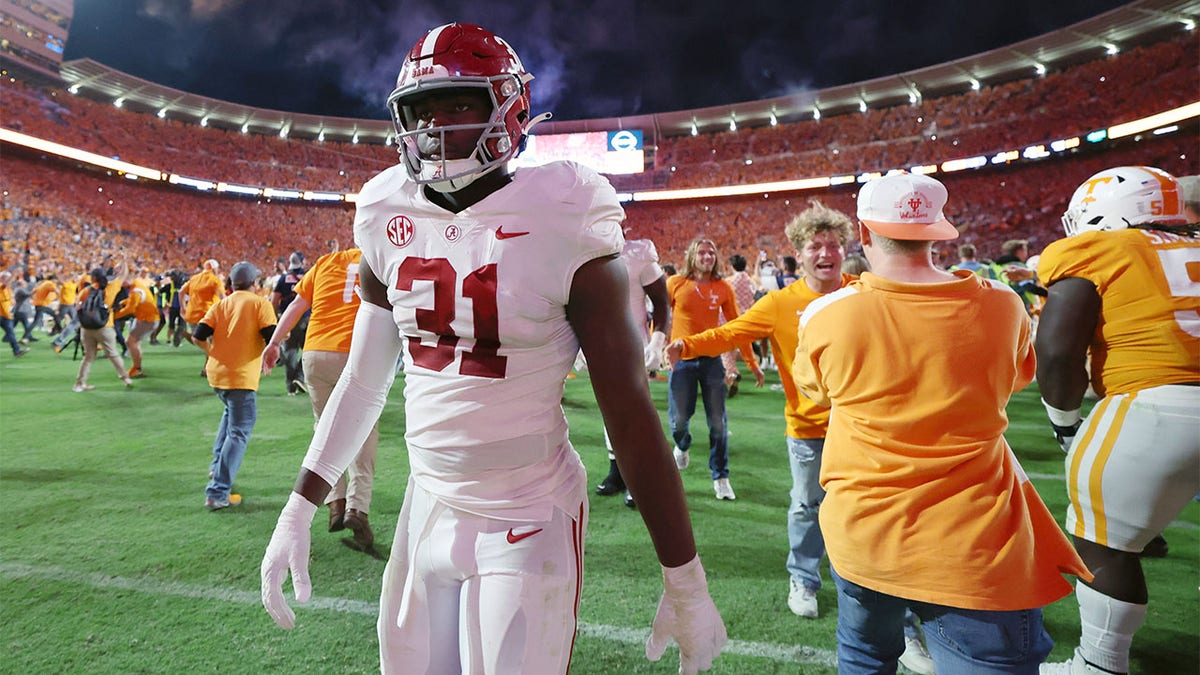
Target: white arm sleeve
(361,391)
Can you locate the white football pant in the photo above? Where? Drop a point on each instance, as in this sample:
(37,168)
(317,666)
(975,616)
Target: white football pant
(467,594)
(1134,466)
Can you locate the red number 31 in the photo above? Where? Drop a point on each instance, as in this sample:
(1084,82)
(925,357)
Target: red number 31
(480,287)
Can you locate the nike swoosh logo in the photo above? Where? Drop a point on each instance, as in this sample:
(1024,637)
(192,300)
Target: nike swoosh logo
(501,234)
(514,538)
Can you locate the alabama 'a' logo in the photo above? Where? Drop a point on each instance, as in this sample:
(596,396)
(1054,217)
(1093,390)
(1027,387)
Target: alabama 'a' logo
(400,231)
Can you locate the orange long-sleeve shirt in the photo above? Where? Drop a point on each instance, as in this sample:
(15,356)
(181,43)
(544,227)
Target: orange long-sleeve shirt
(775,316)
(924,498)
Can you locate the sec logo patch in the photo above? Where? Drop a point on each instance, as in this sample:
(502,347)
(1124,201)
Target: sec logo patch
(400,231)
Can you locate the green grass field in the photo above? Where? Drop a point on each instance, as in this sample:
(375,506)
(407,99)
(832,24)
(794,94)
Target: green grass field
(110,564)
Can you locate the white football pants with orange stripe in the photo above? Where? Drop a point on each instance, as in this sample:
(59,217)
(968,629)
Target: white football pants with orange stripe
(1134,465)
(473,595)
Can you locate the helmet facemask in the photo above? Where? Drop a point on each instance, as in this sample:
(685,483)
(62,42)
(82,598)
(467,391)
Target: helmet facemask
(493,148)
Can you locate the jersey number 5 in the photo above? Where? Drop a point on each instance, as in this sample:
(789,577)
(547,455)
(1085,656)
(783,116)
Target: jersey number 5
(480,288)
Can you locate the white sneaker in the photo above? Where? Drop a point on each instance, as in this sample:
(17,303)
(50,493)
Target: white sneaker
(681,458)
(801,600)
(915,658)
(723,489)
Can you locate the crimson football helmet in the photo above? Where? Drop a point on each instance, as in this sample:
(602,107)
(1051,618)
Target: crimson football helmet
(460,55)
(1122,197)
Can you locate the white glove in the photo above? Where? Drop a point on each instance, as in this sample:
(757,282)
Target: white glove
(687,615)
(288,551)
(654,350)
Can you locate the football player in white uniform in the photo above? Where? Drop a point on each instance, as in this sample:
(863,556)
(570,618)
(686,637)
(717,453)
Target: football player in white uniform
(646,282)
(1120,288)
(490,282)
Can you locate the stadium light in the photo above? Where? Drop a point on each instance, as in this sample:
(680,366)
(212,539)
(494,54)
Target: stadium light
(74,89)
(1039,68)
(203,121)
(862,105)
(914,95)
(1188,24)
(355,139)
(1155,121)
(1111,49)
(695,131)
(774,119)
(119,102)
(162,113)
(17,138)
(975,84)
(816,113)
(245,127)
(732,122)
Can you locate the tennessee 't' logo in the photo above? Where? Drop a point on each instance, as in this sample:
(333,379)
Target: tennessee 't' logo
(400,231)
(501,234)
(514,538)
(918,206)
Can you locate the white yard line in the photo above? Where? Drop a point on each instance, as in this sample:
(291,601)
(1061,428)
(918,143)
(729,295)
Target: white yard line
(798,654)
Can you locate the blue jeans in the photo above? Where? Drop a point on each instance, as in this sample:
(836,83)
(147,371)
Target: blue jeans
(237,423)
(709,373)
(10,335)
(870,635)
(804,532)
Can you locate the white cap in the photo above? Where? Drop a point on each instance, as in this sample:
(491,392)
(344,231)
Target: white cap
(905,206)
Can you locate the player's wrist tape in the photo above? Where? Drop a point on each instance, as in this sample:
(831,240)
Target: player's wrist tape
(1062,418)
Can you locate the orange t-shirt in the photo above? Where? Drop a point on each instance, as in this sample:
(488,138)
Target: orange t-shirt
(70,289)
(697,307)
(204,290)
(235,359)
(6,301)
(1149,284)
(924,499)
(44,293)
(328,286)
(140,302)
(775,316)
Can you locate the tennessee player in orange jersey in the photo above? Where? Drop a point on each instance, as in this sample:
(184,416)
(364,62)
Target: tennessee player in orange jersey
(1125,286)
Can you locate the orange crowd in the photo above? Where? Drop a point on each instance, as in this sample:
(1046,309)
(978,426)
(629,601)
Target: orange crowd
(63,218)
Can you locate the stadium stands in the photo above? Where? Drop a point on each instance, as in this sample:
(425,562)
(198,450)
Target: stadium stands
(66,214)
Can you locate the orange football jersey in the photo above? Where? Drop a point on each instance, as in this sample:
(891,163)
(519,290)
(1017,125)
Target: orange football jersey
(329,289)
(1149,285)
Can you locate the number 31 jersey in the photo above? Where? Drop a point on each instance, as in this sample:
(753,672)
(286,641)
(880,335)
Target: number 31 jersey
(480,299)
(1149,284)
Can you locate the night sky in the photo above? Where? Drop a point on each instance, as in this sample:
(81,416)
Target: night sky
(591,58)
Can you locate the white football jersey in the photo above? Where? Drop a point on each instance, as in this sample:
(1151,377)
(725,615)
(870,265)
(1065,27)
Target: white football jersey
(641,262)
(480,298)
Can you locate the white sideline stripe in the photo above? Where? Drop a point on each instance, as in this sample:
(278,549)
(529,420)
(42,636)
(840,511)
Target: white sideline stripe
(799,654)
